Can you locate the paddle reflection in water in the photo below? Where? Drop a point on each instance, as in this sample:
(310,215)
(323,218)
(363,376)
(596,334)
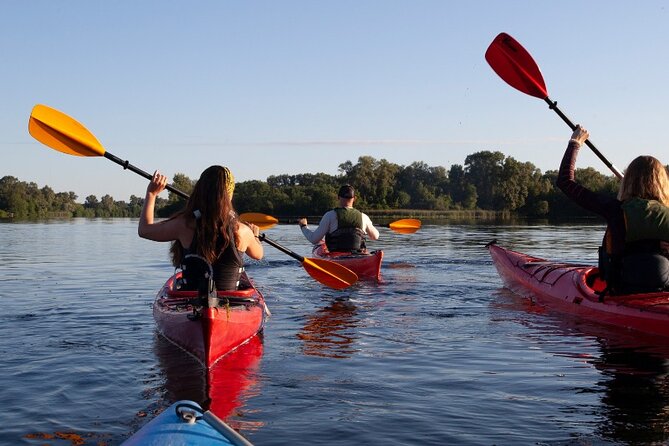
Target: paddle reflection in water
(331,331)
(634,367)
(223,389)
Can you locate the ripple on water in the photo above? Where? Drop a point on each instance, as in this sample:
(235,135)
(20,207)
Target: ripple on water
(437,353)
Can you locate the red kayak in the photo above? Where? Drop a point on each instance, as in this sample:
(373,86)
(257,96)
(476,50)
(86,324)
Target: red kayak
(366,264)
(577,289)
(208,329)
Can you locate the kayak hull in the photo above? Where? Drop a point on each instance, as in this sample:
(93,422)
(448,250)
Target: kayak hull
(366,265)
(572,288)
(171,428)
(209,333)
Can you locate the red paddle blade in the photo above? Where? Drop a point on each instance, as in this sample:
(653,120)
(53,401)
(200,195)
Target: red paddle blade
(330,273)
(515,66)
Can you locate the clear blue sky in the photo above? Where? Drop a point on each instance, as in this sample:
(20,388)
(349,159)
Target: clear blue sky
(284,87)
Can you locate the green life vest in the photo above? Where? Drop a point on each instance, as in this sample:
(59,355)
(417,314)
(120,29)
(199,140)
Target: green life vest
(642,267)
(645,220)
(348,218)
(349,235)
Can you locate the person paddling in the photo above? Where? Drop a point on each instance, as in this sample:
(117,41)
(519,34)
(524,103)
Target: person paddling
(207,227)
(344,228)
(634,256)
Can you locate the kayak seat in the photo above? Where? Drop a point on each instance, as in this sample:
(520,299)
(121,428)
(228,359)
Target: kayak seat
(354,254)
(244,295)
(247,293)
(346,253)
(196,275)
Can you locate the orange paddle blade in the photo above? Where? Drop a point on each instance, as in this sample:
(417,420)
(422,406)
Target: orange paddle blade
(405,226)
(330,273)
(57,130)
(263,221)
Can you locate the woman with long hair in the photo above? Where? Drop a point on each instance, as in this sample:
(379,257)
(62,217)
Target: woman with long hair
(207,227)
(634,257)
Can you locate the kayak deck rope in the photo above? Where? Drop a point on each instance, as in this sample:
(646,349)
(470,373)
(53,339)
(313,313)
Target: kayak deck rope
(546,270)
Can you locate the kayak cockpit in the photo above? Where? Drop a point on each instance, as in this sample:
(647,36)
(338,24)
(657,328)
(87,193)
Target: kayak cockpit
(594,281)
(246,294)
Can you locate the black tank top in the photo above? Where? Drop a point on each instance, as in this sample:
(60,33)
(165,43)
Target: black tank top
(229,265)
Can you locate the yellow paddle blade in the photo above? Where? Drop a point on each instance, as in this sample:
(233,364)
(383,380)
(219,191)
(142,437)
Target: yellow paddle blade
(330,273)
(57,130)
(405,226)
(263,221)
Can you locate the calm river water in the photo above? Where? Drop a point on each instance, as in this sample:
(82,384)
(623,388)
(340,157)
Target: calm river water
(437,354)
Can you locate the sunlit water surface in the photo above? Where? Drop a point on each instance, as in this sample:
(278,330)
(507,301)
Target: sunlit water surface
(438,353)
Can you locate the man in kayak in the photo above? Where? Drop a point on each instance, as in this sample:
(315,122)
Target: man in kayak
(207,227)
(343,227)
(634,257)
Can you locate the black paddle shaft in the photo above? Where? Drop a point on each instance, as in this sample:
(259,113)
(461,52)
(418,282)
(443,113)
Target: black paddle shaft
(126,165)
(553,106)
(296,256)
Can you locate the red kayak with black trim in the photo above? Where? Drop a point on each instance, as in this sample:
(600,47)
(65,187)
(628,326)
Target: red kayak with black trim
(367,264)
(577,289)
(209,328)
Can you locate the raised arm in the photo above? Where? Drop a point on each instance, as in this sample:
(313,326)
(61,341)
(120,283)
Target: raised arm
(566,181)
(163,231)
(248,240)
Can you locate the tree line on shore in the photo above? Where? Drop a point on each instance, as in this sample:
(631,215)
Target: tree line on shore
(487,180)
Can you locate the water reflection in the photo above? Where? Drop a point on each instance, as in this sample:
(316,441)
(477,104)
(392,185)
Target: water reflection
(331,331)
(636,396)
(634,370)
(223,389)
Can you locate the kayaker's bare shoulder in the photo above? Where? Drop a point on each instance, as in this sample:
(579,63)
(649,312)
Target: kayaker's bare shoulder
(175,228)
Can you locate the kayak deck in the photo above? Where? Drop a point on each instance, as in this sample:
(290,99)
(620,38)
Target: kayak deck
(185,423)
(367,265)
(577,289)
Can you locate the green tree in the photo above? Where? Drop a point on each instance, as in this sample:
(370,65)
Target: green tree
(107,207)
(256,196)
(470,197)
(91,202)
(374,181)
(459,189)
(519,182)
(484,170)
(426,186)
(174,202)
(184,184)
(135,205)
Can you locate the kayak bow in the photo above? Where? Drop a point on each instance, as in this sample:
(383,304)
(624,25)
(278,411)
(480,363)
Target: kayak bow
(186,423)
